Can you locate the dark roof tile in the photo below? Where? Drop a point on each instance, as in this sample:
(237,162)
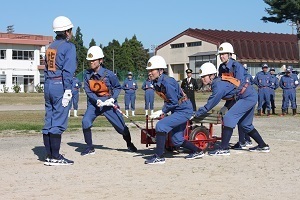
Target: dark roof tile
(256,46)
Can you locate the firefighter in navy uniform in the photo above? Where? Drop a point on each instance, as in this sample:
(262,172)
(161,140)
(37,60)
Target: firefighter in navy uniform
(241,113)
(189,86)
(177,104)
(130,86)
(102,88)
(288,83)
(274,85)
(60,67)
(263,82)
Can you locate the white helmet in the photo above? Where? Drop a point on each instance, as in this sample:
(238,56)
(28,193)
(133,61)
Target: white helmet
(62,23)
(94,53)
(156,62)
(207,68)
(225,48)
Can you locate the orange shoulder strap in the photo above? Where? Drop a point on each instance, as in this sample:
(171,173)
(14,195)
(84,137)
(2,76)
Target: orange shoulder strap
(231,79)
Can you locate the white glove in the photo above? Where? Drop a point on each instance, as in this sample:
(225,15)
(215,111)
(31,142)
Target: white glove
(100,103)
(156,114)
(110,102)
(296,82)
(223,110)
(66,98)
(192,117)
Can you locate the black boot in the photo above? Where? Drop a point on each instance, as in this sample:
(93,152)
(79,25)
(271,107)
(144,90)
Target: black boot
(283,112)
(287,111)
(294,112)
(127,138)
(273,111)
(268,112)
(257,138)
(258,112)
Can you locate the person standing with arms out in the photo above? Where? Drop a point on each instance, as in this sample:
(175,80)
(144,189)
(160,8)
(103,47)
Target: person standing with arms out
(273,87)
(189,86)
(149,95)
(288,83)
(241,113)
(181,110)
(75,95)
(60,66)
(130,86)
(102,88)
(263,82)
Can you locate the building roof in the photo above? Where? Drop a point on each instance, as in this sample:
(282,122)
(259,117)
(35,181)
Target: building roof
(12,38)
(249,46)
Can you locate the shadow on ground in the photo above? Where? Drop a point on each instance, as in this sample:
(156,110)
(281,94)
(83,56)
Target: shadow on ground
(40,152)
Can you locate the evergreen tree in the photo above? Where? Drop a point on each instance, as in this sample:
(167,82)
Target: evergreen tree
(92,43)
(112,56)
(283,11)
(80,50)
(139,56)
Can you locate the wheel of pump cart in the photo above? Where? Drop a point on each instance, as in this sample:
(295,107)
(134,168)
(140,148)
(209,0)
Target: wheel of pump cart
(200,134)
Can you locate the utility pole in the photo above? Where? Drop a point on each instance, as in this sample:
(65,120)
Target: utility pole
(82,71)
(113,61)
(153,47)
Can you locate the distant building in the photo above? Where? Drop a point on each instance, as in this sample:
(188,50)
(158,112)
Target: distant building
(22,60)
(193,47)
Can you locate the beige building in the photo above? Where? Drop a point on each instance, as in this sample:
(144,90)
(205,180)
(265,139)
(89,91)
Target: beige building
(193,47)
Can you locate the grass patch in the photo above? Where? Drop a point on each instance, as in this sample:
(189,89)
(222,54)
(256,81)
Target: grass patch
(27,122)
(33,121)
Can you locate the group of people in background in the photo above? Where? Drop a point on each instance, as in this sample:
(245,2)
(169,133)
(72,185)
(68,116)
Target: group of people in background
(267,82)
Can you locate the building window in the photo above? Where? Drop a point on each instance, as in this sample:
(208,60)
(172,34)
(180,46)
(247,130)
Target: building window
(42,78)
(2,79)
(2,54)
(17,80)
(22,55)
(194,44)
(179,45)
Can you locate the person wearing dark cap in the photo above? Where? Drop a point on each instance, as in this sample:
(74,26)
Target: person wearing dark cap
(130,86)
(288,83)
(189,86)
(263,82)
(273,87)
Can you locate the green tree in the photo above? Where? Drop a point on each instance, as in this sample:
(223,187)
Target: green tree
(126,56)
(80,50)
(139,56)
(134,58)
(281,11)
(112,55)
(92,43)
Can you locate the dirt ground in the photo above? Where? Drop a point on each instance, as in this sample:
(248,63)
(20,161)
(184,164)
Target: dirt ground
(114,173)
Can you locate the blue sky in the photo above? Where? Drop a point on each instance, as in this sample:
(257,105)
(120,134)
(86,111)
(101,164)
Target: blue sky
(153,22)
